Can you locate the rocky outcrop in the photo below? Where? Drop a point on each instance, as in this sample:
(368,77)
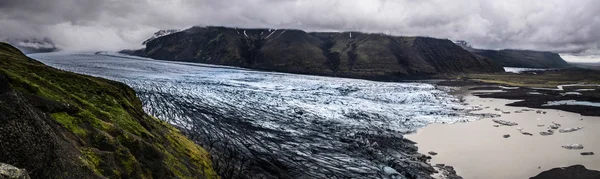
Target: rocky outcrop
(12,172)
(572,172)
(519,58)
(57,124)
(348,54)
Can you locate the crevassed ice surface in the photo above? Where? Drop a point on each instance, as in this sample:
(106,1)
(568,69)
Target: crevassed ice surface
(314,126)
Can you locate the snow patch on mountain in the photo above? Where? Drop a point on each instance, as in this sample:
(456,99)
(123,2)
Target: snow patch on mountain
(159,34)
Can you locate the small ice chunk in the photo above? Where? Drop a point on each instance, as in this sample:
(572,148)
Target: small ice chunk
(507,87)
(547,133)
(570,129)
(570,93)
(573,146)
(503,122)
(524,132)
(390,171)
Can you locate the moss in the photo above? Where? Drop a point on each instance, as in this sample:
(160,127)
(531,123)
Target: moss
(109,120)
(185,146)
(92,159)
(547,79)
(127,160)
(71,123)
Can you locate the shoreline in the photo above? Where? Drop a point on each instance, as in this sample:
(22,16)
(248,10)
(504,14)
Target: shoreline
(480,140)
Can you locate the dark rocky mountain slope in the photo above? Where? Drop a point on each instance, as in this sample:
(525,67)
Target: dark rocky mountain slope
(348,54)
(58,124)
(519,58)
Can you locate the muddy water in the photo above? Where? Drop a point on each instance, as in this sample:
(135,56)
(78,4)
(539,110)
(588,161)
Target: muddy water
(479,150)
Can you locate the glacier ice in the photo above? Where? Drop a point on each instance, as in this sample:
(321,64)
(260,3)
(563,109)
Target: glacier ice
(317,127)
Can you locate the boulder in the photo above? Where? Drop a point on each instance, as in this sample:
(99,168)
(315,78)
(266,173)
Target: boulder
(12,172)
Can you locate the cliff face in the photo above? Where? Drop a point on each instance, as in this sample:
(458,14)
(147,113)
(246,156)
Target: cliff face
(524,58)
(520,58)
(348,54)
(58,124)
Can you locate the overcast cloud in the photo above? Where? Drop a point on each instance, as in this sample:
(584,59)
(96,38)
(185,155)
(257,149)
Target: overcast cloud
(567,26)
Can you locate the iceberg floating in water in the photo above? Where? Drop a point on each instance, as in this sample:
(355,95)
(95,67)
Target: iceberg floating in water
(573,146)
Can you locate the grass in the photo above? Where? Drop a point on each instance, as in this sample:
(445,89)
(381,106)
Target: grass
(547,79)
(109,117)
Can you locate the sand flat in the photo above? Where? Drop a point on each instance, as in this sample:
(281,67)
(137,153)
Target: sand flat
(479,150)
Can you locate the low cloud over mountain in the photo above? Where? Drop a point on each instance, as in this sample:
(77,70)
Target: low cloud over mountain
(552,25)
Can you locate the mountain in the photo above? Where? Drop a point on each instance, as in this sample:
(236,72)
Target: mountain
(347,54)
(519,58)
(58,124)
(29,46)
(160,33)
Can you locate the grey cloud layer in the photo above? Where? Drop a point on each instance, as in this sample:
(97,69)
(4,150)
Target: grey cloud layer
(556,25)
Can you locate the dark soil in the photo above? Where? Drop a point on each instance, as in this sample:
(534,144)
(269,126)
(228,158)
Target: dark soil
(572,172)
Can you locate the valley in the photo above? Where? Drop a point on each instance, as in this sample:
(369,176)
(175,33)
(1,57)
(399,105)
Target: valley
(278,125)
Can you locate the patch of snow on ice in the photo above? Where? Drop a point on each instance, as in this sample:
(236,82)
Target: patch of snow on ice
(521,70)
(570,93)
(572,102)
(506,87)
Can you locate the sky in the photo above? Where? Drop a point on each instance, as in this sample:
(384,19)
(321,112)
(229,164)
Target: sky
(569,27)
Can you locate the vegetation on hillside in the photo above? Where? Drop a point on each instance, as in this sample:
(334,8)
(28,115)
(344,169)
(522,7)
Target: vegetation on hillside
(546,79)
(104,121)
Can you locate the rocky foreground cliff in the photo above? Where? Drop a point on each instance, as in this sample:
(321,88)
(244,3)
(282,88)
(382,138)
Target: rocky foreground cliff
(347,54)
(58,124)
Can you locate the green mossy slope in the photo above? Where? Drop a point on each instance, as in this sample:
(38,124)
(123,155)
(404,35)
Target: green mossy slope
(98,122)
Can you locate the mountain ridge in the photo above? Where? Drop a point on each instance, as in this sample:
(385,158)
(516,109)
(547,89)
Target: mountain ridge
(519,58)
(342,54)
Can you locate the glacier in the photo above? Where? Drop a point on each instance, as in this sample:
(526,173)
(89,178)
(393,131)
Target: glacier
(277,125)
